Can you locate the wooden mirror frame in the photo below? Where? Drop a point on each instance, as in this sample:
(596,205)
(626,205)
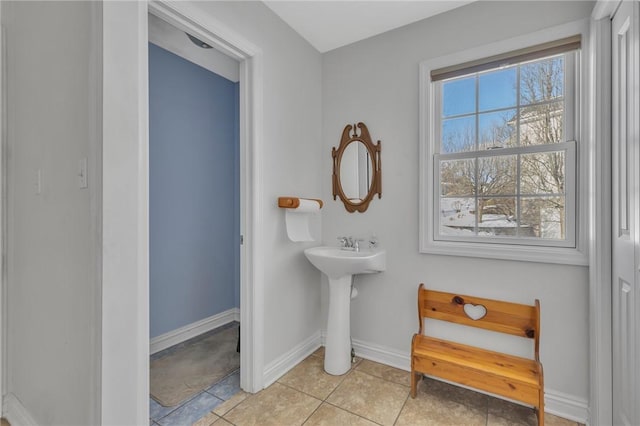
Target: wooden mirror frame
(374,154)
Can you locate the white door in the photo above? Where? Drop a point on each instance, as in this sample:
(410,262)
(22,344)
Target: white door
(626,216)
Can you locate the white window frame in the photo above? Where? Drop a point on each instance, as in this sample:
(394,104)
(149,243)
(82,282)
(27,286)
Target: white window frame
(497,248)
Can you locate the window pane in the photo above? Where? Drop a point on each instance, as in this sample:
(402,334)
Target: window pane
(457,216)
(543,218)
(542,80)
(500,171)
(542,173)
(496,216)
(497,175)
(459,96)
(497,89)
(542,124)
(497,129)
(457,177)
(458,134)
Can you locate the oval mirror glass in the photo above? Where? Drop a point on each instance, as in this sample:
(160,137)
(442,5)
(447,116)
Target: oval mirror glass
(355,172)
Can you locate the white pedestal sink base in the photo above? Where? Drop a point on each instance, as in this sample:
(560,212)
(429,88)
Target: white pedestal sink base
(337,350)
(343,264)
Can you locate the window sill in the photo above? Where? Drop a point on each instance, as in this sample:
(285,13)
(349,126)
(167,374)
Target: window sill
(557,255)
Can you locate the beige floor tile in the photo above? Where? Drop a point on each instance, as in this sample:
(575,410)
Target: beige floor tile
(328,415)
(551,420)
(391,374)
(207,420)
(370,397)
(222,422)
(493,420)
(511,412)
(446,392)
(309,377)
(226,406)
(508,413)
(277,405)
(319,352)
(433,409)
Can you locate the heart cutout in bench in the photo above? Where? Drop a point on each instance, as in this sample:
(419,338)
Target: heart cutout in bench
(475,312)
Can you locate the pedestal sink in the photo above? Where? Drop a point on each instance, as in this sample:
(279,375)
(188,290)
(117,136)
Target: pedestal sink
(339,266)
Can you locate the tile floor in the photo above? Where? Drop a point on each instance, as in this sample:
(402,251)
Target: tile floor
(198,406)
(369,394)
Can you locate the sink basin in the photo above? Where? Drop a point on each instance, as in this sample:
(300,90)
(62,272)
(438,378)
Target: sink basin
(340,266)
(336,263)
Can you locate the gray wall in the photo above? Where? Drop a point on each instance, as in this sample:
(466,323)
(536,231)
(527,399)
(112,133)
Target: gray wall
(376,81)
(52,104)
(194,205)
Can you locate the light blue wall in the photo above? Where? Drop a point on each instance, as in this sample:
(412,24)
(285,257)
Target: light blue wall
(193,192)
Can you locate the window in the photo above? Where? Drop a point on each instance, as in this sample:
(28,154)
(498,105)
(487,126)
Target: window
(500,171)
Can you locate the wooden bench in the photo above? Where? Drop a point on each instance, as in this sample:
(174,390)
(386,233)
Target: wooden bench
(513,377)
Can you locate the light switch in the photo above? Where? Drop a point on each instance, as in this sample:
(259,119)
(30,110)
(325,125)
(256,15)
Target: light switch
(82,173)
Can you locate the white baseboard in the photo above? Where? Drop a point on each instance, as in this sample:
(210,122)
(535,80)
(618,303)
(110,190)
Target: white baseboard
(189,331)
(286,362)
(557,403)
(566,406)
(377,353)
(15,413)
(383,355)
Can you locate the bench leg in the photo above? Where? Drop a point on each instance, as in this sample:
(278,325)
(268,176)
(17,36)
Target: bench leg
(415,378)
(541,409)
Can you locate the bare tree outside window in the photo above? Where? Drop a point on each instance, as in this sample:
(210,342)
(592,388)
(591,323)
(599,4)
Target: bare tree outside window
(519,192)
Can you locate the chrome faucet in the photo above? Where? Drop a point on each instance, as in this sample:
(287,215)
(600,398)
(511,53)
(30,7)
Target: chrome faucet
(350,243)
(346,242)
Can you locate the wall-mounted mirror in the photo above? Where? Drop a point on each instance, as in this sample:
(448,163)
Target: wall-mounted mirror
(357,174)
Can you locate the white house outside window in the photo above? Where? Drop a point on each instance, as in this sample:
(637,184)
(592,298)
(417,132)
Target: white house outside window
(501,163)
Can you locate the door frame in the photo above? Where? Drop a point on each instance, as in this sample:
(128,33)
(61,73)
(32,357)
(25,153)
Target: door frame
(125,199)
(3,219)
(600,233)
(251,301)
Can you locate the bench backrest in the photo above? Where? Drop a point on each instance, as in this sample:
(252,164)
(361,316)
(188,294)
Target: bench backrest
(504,317)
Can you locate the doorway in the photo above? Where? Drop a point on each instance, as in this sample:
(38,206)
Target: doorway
(250,85)
(194,224)
(124,236)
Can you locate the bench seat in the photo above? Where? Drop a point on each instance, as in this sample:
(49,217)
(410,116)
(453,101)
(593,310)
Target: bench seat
(497,373)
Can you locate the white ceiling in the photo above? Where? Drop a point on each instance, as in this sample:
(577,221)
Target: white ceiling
(328,25)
